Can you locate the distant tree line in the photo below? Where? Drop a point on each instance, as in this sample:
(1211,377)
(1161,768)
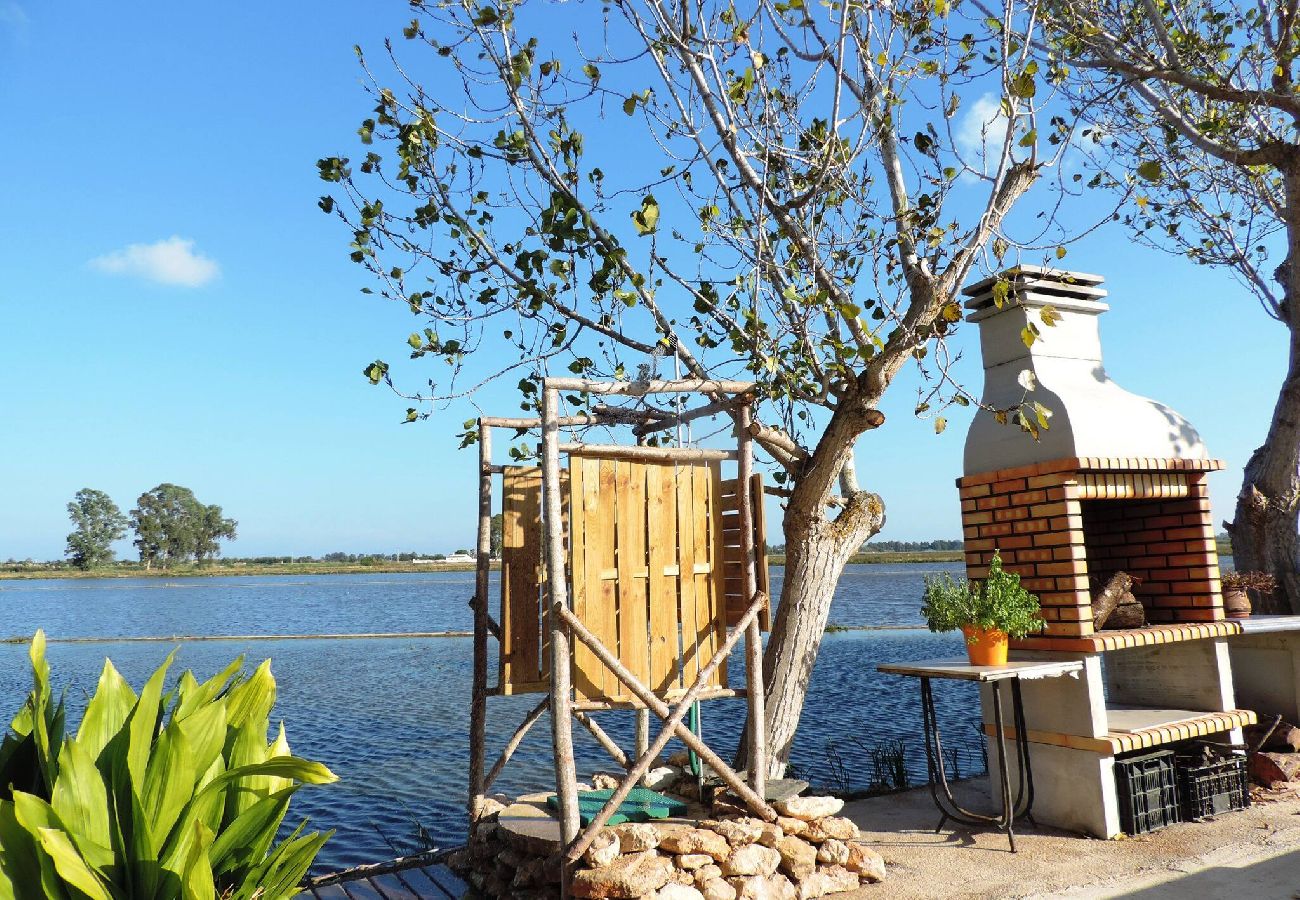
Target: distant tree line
(892,546)
(170,524)
(909,546)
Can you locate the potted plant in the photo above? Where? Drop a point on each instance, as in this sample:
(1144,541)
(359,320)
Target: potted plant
(1236,591)
(988,612)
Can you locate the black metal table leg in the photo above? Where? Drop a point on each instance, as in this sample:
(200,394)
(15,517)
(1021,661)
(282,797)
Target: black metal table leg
(1013,807)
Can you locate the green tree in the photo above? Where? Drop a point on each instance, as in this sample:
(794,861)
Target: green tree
(172,526)
(496,534)
(98,523)
(777,190)
(1196,113)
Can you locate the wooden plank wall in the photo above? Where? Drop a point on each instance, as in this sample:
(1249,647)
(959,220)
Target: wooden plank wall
(733,558)
(645,546)
(524,658)
(647,543)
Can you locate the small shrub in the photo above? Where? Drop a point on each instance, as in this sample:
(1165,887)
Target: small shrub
(998,602)
(167,795)
(1261,582)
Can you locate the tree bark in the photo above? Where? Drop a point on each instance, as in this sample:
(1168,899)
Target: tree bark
(817,549)
(1264,528)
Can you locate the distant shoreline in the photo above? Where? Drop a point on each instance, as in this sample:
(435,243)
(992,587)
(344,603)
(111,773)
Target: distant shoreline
(224,569)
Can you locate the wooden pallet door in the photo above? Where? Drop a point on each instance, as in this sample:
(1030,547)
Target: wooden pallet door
(646,548)
(520,659)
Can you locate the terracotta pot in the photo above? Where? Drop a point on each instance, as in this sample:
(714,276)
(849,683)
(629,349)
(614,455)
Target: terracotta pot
(1236,604)
(985,646)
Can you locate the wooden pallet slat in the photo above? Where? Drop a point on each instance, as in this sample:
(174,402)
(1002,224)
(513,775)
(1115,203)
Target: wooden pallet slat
(521,565)
(661,528)
(632,597)
(686,514)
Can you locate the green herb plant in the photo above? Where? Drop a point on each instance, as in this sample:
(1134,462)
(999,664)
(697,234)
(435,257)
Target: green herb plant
(165,795)
(998,602)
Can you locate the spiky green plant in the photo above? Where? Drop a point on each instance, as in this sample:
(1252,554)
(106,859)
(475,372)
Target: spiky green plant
(158,796)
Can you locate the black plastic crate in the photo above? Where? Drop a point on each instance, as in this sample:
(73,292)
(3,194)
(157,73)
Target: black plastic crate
(1148,792)
(1210,787)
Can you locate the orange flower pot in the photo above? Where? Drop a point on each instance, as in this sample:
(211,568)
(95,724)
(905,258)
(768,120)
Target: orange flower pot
(985,646)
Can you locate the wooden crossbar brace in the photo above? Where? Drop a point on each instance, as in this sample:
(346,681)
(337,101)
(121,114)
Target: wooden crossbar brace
(649,454)
(641,388)
(515,740)
(672,724)
(602,737)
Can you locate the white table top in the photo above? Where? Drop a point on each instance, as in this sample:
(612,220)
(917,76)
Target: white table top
(1267,624)
(962,670)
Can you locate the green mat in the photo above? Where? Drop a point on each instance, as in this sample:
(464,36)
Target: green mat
(641,805)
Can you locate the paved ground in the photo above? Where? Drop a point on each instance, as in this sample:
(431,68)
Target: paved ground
(1249,855)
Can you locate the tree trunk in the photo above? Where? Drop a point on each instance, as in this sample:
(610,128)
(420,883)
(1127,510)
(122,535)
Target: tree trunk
(1264,529)
(816,551)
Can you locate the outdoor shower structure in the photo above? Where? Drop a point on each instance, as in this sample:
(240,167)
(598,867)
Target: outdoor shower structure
(627,577)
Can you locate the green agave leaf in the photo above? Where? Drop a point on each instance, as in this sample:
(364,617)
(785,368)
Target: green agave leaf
(143,724)
(80,800)
(245,747)
(285,868)
(251,699)
(196,879)
(7,891)
(245,841)
(107,711)
(144,871)
(169,783)
(193,695)
(19,854)
(41,715)
(279,747)
(71,867)
(32,814)
(205,732)
(304,770)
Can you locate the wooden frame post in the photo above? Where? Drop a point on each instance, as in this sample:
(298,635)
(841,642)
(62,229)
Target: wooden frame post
(557,594)
(482,565)
(757,731)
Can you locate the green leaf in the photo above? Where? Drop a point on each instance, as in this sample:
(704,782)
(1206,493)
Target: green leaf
(106,712)
(244,842)
(1060,253)
(169,784)
(1042,413)
(376,371)
(416,340)
(1049,315)
(940,423)
(71,866)
(629,105)
(646,219)
(1151,170)
(80,801)
(143,724)
(1023,85)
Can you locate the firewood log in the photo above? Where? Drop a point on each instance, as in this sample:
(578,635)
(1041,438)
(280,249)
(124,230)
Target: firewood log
(1130,613)
(1284,739)
(1270,768)
(1104,603)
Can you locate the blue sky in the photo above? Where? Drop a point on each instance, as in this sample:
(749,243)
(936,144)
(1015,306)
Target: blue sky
(224,351)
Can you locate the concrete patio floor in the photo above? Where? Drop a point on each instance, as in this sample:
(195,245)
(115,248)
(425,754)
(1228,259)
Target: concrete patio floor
(1253,854)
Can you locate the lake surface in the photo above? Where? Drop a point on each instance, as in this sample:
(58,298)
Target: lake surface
(390,716)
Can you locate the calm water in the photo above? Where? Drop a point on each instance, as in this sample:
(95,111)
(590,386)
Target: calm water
(390,716)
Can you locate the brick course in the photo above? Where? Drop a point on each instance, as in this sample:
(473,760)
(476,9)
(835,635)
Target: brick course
(1065,526)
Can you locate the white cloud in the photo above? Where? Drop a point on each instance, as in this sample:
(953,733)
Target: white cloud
(981,131)
(172,261)
(13,14)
